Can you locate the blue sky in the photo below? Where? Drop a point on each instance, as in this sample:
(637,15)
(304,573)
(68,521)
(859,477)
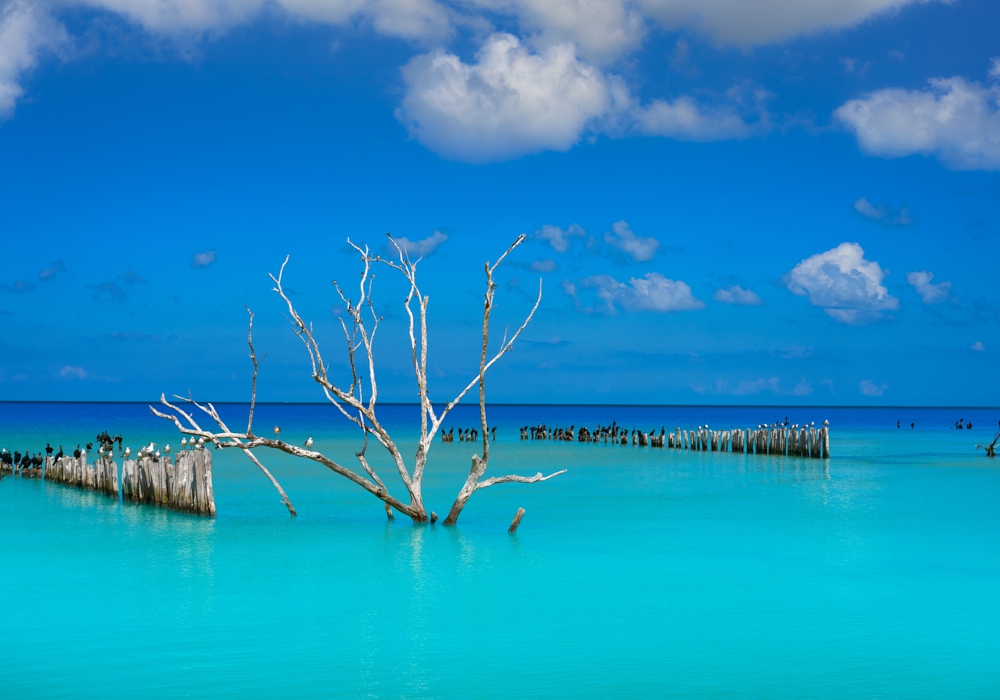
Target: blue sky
(727,202)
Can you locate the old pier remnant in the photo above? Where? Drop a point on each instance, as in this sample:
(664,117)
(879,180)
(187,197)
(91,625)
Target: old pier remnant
(185,485)
(775,439)
(101,476)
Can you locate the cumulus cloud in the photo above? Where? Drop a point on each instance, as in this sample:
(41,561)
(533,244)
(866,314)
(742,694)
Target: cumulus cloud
(884,214)
(870,388)
(71,372)
(978,346)
(931,293)
(737,295)
(26,33)
(651,292)
(203,259)
(844,283)
(421,248)
(639,248)
(560,240)
(955,120)
(509,103)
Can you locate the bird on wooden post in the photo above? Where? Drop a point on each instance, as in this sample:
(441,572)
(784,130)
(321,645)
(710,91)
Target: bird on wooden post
(309,442)
(184,442)
(127,452)
(277,431)
(166,449)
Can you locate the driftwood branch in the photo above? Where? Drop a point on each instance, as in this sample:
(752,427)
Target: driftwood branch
(991,449)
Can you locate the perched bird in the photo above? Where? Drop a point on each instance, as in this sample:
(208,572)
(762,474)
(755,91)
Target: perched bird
(127,452)
(277,431)
(309,442)
(166,449)
(157,455)
(184,442)
(201,442)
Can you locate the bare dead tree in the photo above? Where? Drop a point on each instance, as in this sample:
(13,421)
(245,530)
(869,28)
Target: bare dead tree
(991,449)
(351,400)
(479,464)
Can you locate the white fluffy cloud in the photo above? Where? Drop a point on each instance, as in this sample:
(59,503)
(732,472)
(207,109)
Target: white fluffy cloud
(931,293)
(651,292)
(978,346)
(560,240)
(509,103)
(602,29)
(639,248)
(513,101)
(884,214)
(955,120)
(421,248)
(744,23)
(26,32)
(181,16)
(737,295)
(683,119)
(844,283)
(424,21)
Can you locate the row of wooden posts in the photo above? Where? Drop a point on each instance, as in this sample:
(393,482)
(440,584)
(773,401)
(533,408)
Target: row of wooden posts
(792,441)
(184,484)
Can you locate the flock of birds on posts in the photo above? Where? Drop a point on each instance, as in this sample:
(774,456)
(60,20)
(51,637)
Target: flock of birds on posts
(618,435)
(28,464)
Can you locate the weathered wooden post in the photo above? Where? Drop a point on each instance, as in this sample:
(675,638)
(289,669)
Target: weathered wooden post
(516,521)
(826,439)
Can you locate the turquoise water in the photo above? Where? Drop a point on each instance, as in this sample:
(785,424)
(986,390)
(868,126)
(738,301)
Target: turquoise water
(639,573)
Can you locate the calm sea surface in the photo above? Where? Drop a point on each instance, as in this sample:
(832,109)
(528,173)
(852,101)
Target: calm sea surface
(639,573)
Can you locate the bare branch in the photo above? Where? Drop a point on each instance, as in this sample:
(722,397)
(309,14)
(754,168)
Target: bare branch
(253,384)
(514,478)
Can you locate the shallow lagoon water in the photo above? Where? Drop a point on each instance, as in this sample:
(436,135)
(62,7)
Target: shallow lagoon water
(638,573)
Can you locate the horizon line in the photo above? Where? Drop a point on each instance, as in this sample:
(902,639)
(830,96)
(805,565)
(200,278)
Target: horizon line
(527,404)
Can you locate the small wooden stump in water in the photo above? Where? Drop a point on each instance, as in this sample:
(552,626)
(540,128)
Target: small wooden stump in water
(517,521)
(434,517)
